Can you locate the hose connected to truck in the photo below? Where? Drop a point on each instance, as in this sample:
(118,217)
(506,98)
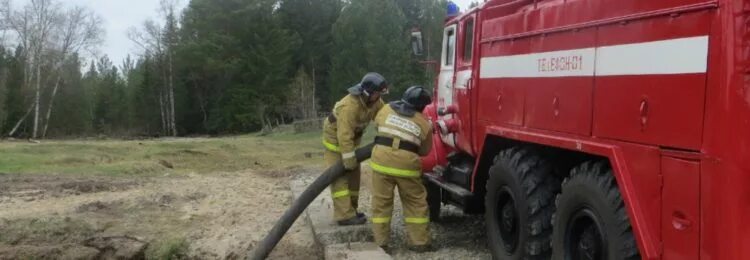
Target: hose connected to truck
(300,204)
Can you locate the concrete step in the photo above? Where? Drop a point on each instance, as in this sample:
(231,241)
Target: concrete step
(355,251)
(338,242)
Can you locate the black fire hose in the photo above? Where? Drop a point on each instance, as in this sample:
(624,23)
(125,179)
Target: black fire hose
(300,204)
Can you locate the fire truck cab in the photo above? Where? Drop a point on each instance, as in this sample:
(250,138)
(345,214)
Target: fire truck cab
(597,129)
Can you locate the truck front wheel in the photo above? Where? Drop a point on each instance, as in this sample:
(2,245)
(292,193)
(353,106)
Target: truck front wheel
(519,205)
(591,222)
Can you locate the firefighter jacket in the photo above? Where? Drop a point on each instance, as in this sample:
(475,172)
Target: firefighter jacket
(400,143)
(342,131)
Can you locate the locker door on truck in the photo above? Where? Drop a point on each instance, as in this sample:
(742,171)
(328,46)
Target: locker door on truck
(680,208)
(445,80)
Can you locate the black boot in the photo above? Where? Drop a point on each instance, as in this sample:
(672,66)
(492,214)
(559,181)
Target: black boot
(356,220)
(386,248)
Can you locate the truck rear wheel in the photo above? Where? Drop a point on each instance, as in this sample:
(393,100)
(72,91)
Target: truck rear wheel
(519,205)
(591,222)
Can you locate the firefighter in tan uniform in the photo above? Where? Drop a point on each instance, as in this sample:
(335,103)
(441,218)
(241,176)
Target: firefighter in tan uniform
(404,136)
(342,133)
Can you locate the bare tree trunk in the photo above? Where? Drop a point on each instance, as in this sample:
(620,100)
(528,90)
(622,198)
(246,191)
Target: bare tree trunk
(49,107)
(299,81)
(201,104)
(23,118)
(173,126)
(37,97)
(3,94)
(161,110)
(205,114)
(314,112)
(3,87)
(164,100)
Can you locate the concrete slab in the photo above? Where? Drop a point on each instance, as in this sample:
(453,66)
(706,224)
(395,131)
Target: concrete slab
(338,242)
(355,251)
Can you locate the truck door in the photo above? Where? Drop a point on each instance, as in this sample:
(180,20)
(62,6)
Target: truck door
(464,83)
(445,79)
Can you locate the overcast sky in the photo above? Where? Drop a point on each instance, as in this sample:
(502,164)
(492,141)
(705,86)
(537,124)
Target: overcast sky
(120,15)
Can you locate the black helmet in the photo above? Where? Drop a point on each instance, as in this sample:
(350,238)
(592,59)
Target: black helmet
(417,97)
(372,82)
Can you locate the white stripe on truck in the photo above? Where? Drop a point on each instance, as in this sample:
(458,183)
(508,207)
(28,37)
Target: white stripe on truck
(675,56)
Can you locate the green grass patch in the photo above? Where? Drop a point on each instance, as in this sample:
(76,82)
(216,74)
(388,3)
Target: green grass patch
(169,248)
(275,151)
(171,155)
(53,230)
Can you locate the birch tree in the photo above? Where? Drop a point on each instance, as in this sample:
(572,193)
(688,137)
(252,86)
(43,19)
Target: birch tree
(47,34)
(159,41)
(44,17)
(20,22)
(79,30)
(149,40)
(167,10)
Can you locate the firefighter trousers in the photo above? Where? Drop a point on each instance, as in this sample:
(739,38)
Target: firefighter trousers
(414,201)
(344,190)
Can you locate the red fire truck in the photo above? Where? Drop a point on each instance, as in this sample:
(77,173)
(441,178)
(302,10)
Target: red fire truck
(597,129)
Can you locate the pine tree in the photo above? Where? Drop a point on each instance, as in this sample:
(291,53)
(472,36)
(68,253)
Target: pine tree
(236,59)
(312,21)
(71,117)
(144,89)
(4,73)
(17,104)
(372,36)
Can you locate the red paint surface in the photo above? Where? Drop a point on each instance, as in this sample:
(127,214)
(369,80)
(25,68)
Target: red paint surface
(680,212)
(705,117)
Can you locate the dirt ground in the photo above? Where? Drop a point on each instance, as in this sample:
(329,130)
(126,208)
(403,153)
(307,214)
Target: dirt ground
(217,216)
(176,198)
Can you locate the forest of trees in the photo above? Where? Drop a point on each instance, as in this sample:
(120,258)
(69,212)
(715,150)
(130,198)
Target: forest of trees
(216,67)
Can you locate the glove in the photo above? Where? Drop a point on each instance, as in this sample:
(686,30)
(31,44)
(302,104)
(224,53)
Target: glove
(351,164)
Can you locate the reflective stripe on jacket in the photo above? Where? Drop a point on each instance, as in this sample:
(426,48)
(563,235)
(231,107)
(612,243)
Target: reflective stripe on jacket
(397,162)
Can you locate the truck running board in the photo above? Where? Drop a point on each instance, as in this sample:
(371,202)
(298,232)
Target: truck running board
(450,187)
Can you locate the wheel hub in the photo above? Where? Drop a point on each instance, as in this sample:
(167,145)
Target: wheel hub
(508,219)
(589,247)
(584,239)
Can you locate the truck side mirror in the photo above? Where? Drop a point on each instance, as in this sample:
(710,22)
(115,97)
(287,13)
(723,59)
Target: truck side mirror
(416,43)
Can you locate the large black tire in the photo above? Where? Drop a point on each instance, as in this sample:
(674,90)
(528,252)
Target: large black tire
(434,200)
(519,205)
(591,221)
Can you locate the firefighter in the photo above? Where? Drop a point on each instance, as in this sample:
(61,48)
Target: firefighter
(404,135)
(342,133)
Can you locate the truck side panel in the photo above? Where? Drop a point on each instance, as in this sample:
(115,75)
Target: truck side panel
(725,173)
(651,80)
(700,111)
(562,103)
(506,95)
(572,92)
